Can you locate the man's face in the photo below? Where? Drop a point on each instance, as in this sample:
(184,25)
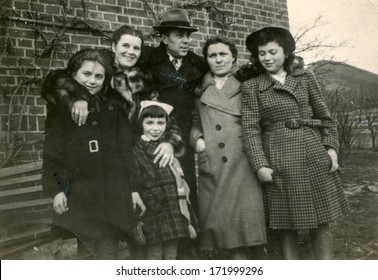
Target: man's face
(177,42)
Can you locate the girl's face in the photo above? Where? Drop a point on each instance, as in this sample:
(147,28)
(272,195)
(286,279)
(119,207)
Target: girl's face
(272,57)
(220,59)
(91,74)
(153,128)
(127,51)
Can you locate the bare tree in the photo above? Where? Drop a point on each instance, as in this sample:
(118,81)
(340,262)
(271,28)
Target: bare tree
(350,105)
(316,47)
(371,117)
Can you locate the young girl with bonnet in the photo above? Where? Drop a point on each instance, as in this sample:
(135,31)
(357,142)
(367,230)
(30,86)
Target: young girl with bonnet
(164,191)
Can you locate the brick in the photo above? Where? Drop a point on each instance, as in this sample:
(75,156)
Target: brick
(39,8)
(110,17)
(53,9)
(110,9)
(122,20)
(136,21)
(26,157)
(57,64)
(8,61)
(4,109)
(41,101)
(41,123)
(32,123)
(7,80)
(77,4)
(84,40)
(97,15)
(137,13)
(21,5)
(40,110)
(26,43)
(34,136)
(136,5)
(44,62)
(30,101)
(105,42)
(111,2)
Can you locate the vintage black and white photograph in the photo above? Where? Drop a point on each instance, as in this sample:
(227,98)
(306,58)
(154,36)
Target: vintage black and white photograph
(188,130)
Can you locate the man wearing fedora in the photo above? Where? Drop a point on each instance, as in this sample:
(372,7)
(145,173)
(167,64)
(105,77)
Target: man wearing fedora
(177,71)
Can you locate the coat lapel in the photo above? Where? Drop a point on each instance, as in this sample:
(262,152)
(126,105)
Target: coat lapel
(266,82)
(226,99)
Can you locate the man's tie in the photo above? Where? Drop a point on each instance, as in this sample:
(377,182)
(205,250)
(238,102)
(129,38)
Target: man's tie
(175,63)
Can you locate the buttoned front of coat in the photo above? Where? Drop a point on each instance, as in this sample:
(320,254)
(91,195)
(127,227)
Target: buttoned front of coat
(230,199)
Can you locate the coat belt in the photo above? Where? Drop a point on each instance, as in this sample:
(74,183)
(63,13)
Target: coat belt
(292,124)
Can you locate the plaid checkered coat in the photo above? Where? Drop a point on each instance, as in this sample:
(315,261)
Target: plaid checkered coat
(163,219)
(304,193)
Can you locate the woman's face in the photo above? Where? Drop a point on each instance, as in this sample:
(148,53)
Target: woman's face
(272,57)
(220,59)
(153,128)
(127,51)
(91,74)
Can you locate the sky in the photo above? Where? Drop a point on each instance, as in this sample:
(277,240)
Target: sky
(354,23)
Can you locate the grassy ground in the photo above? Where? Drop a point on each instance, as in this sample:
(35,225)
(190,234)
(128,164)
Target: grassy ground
(355,236)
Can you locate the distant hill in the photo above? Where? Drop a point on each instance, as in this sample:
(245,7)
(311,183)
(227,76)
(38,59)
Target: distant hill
(336,75)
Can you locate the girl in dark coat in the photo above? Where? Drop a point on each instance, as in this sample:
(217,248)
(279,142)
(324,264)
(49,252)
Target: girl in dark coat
(164,191)
(291,142)
(88,169)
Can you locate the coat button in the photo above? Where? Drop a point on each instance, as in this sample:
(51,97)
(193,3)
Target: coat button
(224,159)
(94,123)
(218,127)
(221,145)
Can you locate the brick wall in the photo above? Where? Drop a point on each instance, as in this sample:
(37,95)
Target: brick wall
(39,35)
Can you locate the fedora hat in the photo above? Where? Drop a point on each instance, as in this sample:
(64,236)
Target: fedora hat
(175,18)
(254,38)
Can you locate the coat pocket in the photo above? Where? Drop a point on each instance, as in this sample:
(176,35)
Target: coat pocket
(203,163)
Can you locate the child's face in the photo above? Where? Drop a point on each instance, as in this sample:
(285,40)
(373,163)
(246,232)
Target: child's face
(153,128)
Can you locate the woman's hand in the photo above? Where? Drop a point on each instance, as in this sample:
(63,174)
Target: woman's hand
(164,154)
(79,112)
(200,145)
(335,163)
(265,175)
(60,203)
(137,200)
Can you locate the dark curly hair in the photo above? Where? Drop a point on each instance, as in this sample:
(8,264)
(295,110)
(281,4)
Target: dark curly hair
(266,37)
